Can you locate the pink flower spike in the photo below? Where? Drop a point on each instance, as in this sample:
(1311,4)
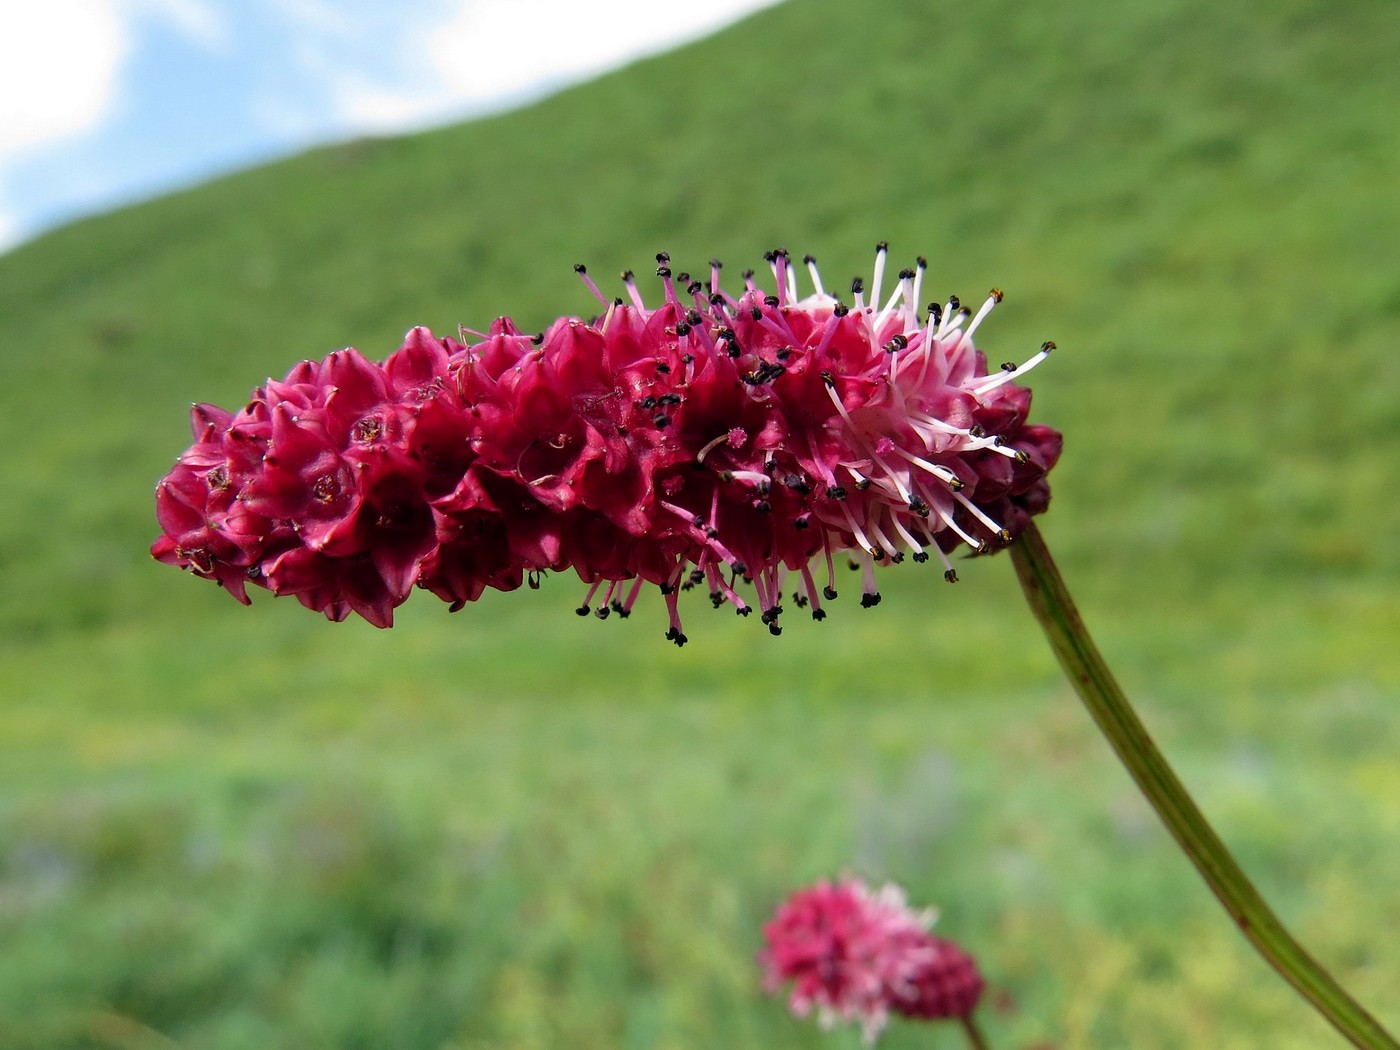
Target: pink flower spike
(715,438)
(857,954)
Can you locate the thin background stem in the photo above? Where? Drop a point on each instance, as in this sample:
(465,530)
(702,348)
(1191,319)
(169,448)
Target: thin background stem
(1050,602)
(975,1039)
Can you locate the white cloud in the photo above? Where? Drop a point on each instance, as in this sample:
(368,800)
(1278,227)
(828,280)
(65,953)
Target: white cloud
(372,107)
(196,20)
(499,48)
(482,55)
(59,65)
(317,17)
(61,62)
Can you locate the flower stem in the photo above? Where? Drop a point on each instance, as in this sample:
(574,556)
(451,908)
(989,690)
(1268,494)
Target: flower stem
(975,1038)
(1050,602)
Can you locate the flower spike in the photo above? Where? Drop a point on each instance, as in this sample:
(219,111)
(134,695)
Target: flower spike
(721,438)
(853,953)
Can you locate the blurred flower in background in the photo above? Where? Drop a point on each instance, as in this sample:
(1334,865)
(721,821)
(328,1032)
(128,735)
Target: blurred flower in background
(106,101)
(859,954)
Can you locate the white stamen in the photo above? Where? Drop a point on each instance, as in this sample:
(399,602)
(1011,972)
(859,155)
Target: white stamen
(914,299)
(943,474)
(861,541)
(919,422)
(906,535)
(978,513)
(952,318)
(885,544)
(992,300)
(888,307)
(992,382)
(926,434)
(947,519)
(607,318)
(831,392)
(948,571)
(816,277)
(882,250)
(1002,449)
(927,347)
(909,312)
(939,424)
(899,485)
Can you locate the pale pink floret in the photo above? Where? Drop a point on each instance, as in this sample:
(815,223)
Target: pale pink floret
(717,440)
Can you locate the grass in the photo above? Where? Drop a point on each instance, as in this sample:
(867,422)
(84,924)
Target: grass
(228,828)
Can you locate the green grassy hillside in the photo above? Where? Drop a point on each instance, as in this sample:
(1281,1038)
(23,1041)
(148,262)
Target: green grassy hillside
(223,827)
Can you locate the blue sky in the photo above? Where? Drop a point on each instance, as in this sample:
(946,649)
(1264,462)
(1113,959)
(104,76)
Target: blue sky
(107,101)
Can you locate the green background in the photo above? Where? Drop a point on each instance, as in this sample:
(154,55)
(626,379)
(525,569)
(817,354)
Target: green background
(512,828)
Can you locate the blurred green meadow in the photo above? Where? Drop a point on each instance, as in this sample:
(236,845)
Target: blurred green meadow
(514,828)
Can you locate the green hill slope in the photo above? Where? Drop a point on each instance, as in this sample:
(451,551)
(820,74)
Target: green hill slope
(1197,203)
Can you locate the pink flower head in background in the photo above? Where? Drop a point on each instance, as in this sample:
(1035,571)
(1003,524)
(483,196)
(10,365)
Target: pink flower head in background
(721,440)
(856,954)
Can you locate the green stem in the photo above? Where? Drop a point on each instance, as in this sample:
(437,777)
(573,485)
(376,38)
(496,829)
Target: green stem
(1050,602)
(975,1038)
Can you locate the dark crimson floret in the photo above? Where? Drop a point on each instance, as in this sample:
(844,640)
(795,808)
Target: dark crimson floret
(947,984)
